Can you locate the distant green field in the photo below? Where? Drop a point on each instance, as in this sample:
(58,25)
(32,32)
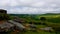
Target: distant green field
(52,18)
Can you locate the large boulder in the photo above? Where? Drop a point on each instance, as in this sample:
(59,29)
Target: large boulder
(3,11)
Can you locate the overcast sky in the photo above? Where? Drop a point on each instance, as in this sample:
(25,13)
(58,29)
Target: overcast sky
(30,6)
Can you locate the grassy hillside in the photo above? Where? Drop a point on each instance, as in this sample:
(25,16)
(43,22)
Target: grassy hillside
(52,20)
(55,18)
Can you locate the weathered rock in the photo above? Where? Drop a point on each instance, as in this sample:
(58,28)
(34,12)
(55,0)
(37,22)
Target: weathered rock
(5,26)
(49,29)
(18,25)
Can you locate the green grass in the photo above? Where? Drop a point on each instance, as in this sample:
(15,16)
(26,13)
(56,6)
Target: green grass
(38,32)
(41,32)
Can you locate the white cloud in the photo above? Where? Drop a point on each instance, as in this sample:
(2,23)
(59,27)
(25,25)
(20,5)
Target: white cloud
(4,2)
(38,4)
(30,10)
(30,6)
